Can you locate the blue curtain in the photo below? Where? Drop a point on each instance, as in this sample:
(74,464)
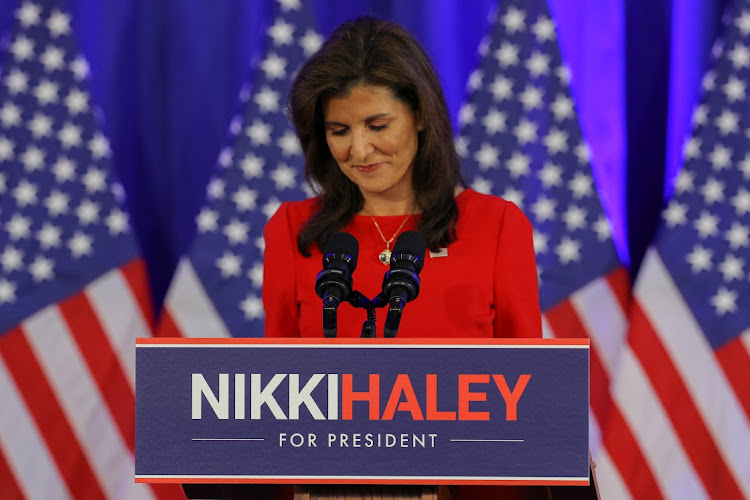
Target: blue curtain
(166,76)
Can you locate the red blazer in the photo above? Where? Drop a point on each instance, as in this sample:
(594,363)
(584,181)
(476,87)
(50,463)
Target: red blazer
(485,285)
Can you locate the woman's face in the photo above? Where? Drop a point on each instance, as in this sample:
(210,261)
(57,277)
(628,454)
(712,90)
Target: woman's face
(373,137)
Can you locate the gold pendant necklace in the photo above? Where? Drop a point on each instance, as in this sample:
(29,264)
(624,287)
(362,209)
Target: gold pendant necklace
(385,255)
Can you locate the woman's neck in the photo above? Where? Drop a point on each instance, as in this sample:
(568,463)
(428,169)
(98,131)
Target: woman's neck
(377,206)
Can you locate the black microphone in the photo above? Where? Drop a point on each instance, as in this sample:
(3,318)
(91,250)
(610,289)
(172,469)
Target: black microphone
(334,282)
(401,282)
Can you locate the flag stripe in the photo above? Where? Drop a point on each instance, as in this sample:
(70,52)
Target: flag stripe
(694,371)
(43,403)
(22,449)
(103,364)
(666,461)
(127,287)
(80,399)
(189,306)
(607,476)
(565,322)
(547,332)
(734,359)
(602,317)
(120,323)
(619,285)
(8,485)
(608,479)
(167,327)
(619,440)
(688,424)
(136,277)
(595,434)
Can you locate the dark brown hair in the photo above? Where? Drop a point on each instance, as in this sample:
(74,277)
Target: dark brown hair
(370,51)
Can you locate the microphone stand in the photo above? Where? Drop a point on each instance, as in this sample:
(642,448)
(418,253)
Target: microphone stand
(356,299)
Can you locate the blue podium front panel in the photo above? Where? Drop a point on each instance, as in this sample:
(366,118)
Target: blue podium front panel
(365,411)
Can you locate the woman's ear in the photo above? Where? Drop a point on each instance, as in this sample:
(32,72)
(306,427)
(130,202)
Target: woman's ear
(420,121)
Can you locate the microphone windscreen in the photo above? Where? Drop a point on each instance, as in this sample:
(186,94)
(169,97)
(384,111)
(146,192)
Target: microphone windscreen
(411,242)
(343,243)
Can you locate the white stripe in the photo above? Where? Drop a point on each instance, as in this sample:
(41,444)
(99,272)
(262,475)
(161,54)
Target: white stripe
(120,317)
(32,466)
(190,308)
(81,401)
(608,479)
(650,425)
(137,491)
(745,339)
(695,361)
(547,332)
(604,320)
(604,466)
(595,433)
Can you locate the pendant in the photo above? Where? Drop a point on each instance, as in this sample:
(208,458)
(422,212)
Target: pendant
(385,257)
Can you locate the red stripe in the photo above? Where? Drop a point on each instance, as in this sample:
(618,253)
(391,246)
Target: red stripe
(8,485)
(617,437)
(676,399)
(627,455)
(619,284)
(735,360)
(167,327)
(135,274)
(103,363)
(49,416)
(565,322)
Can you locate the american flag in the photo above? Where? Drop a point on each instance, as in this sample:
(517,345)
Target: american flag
(520,140)
(217,286)
(73,291)
(684,383)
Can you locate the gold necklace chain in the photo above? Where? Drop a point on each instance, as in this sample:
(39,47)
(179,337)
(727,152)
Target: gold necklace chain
(385,255)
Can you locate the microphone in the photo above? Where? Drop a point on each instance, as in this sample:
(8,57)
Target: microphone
(334,282)
(401,282)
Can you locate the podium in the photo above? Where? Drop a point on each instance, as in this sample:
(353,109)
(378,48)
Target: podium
(363,418)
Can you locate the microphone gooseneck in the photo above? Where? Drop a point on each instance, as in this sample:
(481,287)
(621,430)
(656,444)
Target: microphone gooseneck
(401,283)
(334,282)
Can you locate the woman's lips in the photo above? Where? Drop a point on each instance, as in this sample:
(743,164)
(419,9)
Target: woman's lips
(368,168)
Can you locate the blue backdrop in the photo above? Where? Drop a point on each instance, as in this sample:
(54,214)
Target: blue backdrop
(166,76)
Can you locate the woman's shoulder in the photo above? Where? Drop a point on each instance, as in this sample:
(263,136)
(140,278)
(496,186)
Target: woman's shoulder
(294,213)
(486,214)
(304,207)
(299,208)
(473,201)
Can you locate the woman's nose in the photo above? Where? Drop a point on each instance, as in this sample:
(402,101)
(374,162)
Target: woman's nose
(361,147)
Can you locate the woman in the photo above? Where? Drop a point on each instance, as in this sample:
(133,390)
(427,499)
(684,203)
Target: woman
(372,120)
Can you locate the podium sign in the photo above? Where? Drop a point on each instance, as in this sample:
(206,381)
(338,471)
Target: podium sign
(362,411)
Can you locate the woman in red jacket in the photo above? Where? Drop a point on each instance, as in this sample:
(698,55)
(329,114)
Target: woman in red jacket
(374,127)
